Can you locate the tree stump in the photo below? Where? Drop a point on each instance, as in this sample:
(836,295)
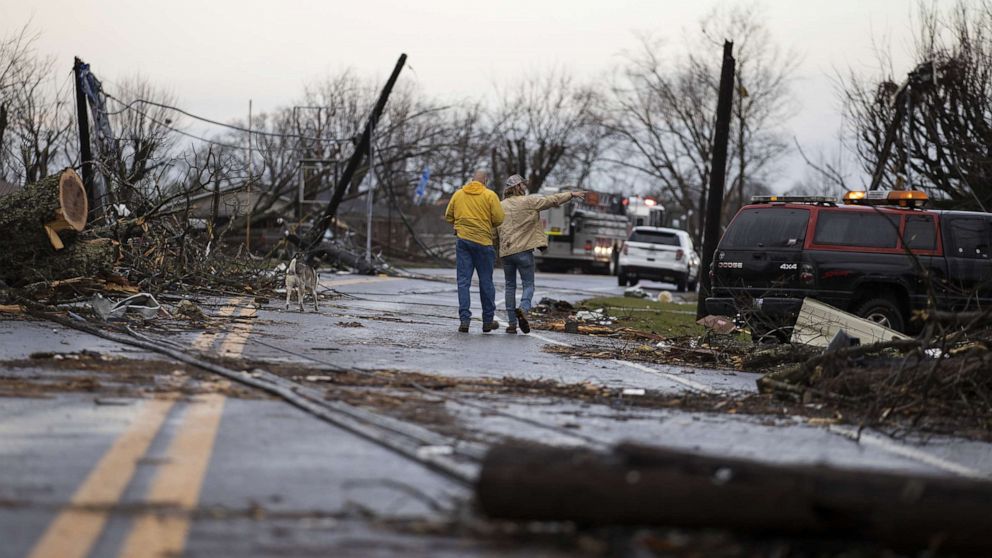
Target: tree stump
(38,221)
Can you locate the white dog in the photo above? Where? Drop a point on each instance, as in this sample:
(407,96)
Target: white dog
(301,278)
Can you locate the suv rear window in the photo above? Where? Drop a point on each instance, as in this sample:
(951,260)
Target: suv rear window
(776,227)
(655,237)
(970,238)
(919,233)
(856,228)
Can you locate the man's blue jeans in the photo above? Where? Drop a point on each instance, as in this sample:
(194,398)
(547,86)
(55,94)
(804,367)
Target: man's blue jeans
(471,257)
(524,263)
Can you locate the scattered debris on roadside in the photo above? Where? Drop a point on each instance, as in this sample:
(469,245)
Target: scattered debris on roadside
(44,374)
(142,304)
(636,292)
(552,304)
(719,324)
(818,323)
(189,310)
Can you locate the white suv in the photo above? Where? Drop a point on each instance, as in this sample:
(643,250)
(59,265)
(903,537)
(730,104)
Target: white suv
(659,254)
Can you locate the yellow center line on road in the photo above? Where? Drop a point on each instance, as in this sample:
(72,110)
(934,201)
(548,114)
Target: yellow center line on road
(75,529)
(177,483)
(358,281)
(234,343)
(206,339)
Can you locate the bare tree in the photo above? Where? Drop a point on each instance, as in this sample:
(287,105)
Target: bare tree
(933,126)
(144,130)
(664,110)
(547,123)
(35,112)
(763,100)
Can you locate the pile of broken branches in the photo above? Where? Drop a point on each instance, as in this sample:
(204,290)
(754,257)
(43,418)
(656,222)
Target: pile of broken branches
(939,381)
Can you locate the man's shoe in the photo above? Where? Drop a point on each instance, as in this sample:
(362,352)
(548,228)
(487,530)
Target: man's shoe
(489,326)
(463,328)
(522,320)
(511,329)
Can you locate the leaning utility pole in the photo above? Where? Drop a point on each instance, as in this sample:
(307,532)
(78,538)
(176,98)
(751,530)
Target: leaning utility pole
(370,201)
(251,204)
(85,152)
(364,144)
(718,175)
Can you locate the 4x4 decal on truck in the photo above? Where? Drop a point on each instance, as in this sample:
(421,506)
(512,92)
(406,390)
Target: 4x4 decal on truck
(788,266)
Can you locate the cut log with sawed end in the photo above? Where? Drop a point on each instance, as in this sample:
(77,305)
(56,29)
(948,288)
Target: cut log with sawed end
(54,204)
(39,220)
(640,485)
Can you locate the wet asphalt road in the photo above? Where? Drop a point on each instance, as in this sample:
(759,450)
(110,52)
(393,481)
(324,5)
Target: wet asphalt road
(262,478)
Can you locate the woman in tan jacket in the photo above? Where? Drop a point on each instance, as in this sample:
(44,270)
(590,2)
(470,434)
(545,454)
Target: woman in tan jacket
(519,234)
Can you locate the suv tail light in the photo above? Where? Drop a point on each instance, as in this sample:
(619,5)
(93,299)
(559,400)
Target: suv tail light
(588,246)
(806,274)
(679,254)
(624,248)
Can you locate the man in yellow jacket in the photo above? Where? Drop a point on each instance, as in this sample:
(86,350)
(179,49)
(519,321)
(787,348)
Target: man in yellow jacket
(475,212)
(519,235)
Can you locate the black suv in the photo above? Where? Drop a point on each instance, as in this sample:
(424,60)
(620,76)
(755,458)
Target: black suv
(879,261)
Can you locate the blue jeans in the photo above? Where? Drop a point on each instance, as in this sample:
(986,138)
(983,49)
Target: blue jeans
(471,257)
(524,263)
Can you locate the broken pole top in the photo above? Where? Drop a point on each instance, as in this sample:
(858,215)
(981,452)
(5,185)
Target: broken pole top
(361,150)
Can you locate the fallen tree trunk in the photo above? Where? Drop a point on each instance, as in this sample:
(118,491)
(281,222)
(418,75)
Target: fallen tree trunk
(39,220)
(80,259)
(639,485)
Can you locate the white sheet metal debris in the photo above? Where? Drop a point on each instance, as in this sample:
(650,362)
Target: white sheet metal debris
(818,323)
(636,292)
(143,304)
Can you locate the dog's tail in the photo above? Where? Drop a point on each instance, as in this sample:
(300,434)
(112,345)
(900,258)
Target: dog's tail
(291,270)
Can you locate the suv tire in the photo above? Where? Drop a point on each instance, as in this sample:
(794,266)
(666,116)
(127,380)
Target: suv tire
(680,284)
(883,311)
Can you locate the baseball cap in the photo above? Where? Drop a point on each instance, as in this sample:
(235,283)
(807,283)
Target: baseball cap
(514,180)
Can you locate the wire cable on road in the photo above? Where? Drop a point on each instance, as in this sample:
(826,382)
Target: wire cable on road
(381,430)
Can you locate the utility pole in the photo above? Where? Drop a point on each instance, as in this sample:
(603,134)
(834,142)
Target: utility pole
(908,170)
(370,200)
(85,152)
(718,174)
(364,144)
(251,205)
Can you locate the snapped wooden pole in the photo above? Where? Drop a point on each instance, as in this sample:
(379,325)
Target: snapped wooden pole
(718,175)
(640,485)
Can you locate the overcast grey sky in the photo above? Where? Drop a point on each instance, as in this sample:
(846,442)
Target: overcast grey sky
(216,54)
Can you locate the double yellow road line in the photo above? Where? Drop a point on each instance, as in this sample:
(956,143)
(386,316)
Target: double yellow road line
(175,487)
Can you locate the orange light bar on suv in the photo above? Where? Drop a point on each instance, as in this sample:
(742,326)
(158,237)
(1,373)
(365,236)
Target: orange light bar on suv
(854,198)
(794,199)
(900,198)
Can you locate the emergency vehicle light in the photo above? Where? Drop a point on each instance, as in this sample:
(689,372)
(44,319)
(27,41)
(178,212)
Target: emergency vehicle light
(793,199)
(900,198)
